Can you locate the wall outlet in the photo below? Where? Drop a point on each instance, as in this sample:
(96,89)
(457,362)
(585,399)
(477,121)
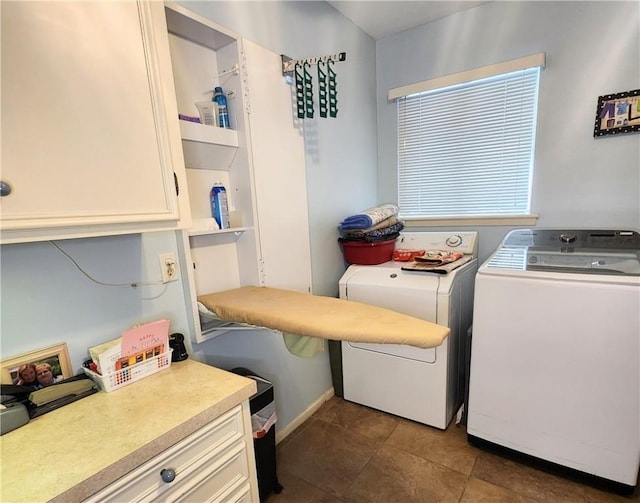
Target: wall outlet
(168,267)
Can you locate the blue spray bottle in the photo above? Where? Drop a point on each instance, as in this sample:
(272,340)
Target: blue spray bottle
(223,111)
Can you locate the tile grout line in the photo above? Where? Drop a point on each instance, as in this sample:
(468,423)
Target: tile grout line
(382,444)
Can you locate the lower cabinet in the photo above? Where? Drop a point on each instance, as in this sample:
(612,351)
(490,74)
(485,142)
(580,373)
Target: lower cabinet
(214,464)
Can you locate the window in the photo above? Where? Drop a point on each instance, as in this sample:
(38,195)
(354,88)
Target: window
(466,142)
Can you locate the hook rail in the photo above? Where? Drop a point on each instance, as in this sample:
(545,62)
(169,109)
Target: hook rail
(288,64)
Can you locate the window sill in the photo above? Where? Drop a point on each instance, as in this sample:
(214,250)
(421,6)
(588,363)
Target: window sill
(526,220)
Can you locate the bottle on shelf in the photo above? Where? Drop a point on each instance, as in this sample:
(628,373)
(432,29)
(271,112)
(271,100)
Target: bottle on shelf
(223,112)
(219,205)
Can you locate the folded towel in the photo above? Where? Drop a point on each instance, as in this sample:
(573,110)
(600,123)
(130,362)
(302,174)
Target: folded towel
(438,257)
(404,255)
(369,217)
(439,268)
(387,222)
(382,234)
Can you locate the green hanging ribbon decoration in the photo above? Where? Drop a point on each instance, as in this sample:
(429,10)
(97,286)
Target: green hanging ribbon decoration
(299,81)
(322,91)
(333,91)
(308,91)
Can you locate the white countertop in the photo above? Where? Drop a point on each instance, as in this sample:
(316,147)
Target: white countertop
(73,452)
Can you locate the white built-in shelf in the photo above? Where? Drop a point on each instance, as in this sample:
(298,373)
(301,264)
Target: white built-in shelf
(192,131)
(205,226)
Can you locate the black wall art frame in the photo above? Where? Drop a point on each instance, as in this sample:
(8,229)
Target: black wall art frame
(618,113)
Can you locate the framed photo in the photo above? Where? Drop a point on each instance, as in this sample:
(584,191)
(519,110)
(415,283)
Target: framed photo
(618,113)
(54,359)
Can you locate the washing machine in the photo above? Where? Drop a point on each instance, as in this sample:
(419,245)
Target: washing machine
(424,385)
(555,371)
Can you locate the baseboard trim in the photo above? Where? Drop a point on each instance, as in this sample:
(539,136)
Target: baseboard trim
(306,414)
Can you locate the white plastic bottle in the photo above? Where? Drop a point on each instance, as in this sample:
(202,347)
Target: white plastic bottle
(219,205)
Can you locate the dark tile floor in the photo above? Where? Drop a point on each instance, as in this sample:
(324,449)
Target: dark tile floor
(349,453)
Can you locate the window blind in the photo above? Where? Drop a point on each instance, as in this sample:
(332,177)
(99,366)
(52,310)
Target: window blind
(467,149)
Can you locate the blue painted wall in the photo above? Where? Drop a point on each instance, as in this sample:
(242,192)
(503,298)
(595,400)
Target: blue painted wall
(591,50)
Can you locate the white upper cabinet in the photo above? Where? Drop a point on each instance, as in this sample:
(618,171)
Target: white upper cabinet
(90,141)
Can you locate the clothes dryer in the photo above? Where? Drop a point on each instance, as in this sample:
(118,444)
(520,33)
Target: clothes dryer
(555,368)
(424,385)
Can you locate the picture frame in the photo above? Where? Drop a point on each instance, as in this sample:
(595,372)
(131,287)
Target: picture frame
(618,113)
(57,356)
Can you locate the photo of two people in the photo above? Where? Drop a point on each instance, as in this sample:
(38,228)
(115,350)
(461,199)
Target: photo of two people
(37,369)
(38,374)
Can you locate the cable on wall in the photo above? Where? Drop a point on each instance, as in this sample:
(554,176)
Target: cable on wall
(134,284)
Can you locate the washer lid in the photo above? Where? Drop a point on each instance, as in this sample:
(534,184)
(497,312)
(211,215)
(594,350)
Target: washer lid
(577,251)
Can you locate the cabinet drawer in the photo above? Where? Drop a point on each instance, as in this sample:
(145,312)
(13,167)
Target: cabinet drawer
(242,495)
(218,481)
(211,448)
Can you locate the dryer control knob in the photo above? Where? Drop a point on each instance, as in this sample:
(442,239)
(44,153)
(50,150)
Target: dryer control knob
(567,238)
(455,240)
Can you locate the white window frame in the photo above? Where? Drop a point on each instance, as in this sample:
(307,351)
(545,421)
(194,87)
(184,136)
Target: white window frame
(536,60)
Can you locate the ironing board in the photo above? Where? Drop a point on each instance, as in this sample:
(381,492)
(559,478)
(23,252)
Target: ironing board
(324,317)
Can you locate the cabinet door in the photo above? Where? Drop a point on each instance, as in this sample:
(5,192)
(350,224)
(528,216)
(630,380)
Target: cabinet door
(277,144)
(85,136)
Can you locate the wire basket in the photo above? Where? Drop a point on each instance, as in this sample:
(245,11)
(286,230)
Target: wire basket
(110,381)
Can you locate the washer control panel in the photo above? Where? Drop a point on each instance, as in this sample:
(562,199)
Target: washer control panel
(574,240)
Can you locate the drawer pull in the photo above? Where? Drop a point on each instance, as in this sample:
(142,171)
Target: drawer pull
(168,475)
(5,189)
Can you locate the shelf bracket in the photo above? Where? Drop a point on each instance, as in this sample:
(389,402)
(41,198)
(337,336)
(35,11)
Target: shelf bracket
(235,69)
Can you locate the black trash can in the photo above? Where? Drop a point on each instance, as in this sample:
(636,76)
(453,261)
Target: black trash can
(335,360)
(262,406)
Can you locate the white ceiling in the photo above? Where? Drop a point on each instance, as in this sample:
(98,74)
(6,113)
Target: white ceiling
(380,18)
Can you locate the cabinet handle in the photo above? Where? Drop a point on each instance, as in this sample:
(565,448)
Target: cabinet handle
(168,475)
(5,189)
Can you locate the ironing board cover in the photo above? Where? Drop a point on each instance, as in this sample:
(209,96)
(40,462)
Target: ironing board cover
(324,317)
